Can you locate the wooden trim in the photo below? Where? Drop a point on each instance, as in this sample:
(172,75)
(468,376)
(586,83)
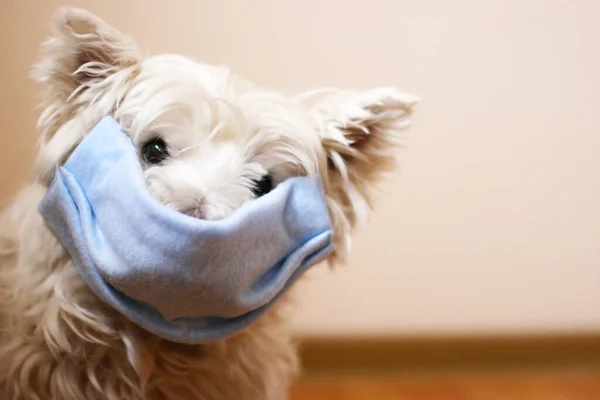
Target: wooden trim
(331,355)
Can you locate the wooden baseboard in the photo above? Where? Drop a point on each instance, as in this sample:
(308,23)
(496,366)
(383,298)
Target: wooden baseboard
(323,356)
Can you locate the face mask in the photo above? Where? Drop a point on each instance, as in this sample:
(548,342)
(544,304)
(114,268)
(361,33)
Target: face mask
(184,279)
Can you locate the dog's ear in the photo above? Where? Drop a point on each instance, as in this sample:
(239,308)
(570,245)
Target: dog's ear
(83,52)
(82,47)
(361,134)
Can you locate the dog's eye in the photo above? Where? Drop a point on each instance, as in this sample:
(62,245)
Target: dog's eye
(155,151)
(263,186)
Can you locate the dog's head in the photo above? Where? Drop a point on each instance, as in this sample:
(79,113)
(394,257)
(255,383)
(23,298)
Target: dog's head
(207,140)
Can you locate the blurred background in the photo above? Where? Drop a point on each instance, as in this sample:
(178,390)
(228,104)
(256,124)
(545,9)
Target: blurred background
(491,228)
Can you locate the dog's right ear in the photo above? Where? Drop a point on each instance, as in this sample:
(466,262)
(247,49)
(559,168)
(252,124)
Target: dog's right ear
(83,52)
(83,47)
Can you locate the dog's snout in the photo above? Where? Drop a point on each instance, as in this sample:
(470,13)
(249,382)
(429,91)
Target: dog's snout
(197,209)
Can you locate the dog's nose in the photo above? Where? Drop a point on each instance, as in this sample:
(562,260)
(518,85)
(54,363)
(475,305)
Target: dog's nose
(197,210)
(199,213)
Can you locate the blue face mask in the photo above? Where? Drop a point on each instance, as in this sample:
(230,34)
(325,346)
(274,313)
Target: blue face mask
(184,279)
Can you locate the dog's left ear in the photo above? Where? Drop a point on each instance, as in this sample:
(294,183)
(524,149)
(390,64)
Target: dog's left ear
(360,134)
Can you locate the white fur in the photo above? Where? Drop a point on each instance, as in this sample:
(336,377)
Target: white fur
(57,340)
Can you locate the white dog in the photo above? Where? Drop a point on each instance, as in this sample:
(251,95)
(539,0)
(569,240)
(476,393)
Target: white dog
(208,142)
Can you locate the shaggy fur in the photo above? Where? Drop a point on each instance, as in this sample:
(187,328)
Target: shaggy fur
(57,340)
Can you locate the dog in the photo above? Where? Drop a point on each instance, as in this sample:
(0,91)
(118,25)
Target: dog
(208,143)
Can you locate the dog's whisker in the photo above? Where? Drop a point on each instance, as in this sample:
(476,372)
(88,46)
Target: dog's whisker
(188,149)
(214,132)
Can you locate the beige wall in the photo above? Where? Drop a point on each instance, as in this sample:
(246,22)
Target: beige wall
(494,222)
